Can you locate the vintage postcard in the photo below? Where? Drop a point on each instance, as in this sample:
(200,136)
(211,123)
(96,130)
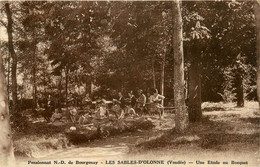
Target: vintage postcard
(130,83)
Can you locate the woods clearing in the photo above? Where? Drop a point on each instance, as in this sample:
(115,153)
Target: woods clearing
(225,133)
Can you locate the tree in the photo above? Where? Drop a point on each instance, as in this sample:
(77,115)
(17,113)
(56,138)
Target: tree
(196,36)
(79,30)
(232,21)
(6,148)
(163,49)
(194,86)
(94,43)
(181,121)
(13,56)
(31,22)
(257,16)
(209,59)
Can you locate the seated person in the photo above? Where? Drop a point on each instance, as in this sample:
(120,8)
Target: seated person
(87,101)
(115,108)
(56,115)
(84,119)
(49,108)
(72,112)
(122,104)
(101,110)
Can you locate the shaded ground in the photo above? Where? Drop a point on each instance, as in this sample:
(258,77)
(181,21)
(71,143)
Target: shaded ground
(225,134)
(41,137)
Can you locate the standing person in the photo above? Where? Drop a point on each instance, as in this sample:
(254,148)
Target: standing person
(141,101)
(155,99)
(132,99)
(148,102)
(132,103)
(49,109)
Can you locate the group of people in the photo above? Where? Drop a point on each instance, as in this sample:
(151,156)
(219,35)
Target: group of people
(120,106)
(138,104)
(123,105)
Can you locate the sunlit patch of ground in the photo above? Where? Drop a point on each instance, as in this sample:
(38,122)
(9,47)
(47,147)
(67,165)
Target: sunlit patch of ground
(241,120)
(226,131)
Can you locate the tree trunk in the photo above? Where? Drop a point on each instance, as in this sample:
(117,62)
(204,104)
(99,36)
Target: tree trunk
(66,85)
(162,77)
(194,87)
(239,88)
(181,120)
(8,76)
(34,77)
(14,58)
(60,92)
(154,78)
(257,16)
(6,148)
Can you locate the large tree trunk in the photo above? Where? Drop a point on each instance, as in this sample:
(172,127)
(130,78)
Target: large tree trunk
(6,148)
(257,15)
(181,120)
(194,88)
(14,58)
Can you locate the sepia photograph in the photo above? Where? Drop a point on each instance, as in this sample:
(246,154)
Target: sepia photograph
(130,83)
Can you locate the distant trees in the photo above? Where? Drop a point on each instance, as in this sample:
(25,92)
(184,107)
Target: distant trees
(230,58)
(31,34)
(60,48)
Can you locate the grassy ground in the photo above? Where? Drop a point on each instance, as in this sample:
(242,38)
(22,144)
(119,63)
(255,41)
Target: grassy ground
(39,138)
(35,145)
(224,130)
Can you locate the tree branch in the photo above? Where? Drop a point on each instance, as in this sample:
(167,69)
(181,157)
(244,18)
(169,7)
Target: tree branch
(3,23)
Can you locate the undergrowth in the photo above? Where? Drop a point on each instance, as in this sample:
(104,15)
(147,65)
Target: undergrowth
(31,146)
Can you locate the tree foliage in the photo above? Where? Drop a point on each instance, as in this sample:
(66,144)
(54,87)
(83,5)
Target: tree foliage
(64,46)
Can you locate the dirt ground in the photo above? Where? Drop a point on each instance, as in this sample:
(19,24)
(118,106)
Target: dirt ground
(225,134)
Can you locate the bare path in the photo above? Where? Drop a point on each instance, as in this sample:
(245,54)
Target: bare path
(107,148)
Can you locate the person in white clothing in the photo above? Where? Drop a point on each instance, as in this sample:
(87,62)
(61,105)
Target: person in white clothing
(155,100)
